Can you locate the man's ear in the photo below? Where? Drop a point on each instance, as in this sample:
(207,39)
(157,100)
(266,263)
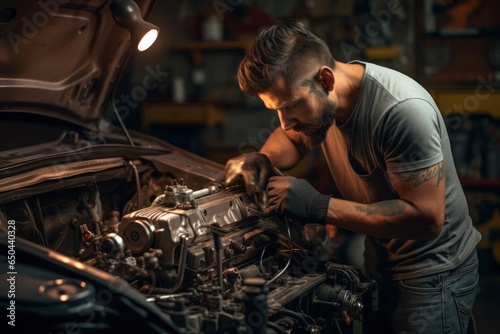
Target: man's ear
(326,78)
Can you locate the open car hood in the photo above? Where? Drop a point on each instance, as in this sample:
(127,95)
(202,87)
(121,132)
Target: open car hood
(61,58)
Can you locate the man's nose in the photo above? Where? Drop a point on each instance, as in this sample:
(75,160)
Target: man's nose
(287,121)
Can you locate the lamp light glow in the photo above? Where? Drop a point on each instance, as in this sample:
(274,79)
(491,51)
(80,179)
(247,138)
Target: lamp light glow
(148,40)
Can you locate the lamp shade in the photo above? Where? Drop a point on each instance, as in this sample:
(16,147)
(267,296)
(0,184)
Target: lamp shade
(128,15)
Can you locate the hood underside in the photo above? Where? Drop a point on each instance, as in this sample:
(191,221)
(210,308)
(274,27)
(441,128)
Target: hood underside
(61,57)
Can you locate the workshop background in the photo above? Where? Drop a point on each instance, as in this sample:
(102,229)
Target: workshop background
(452,47)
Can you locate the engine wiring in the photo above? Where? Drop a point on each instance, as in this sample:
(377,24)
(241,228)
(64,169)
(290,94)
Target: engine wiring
(290,245)
(32,220)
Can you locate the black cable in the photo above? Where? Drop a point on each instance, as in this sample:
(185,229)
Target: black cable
(290,245)
(295,315)
(276,327)
(339,331)
(122,125)
(115,110)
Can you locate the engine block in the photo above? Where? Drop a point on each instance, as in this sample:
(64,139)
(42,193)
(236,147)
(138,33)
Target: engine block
(174,222)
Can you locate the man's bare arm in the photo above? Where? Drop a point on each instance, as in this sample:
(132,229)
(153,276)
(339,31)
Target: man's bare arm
(417,214)
(284,149)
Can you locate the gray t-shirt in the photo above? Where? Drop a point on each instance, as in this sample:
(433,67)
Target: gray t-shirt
(397,127)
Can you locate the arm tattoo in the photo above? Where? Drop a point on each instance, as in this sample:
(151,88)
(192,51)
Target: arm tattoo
(312,86)
(420,176)
(387,208)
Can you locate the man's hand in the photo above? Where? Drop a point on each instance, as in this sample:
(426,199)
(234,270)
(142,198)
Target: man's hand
(254,168)
(297,199)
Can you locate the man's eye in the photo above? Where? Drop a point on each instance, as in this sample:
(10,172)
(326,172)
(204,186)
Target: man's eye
(292,106)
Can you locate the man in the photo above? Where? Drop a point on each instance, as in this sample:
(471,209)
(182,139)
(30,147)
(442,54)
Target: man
(388,151)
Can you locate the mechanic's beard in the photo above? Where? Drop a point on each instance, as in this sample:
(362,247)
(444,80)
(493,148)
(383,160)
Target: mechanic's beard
(314,134)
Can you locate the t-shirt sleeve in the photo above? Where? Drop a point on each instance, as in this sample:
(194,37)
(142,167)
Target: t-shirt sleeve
(410,136)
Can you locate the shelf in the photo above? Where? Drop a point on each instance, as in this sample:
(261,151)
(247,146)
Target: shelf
(382,52)
(482,98)
(197,47)
(463,33)
(244,44)
(158,112)
(480,183)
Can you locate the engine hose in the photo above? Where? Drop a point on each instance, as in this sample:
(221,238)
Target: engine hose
(294,315)
(276,327)
(137,184)
(180,271)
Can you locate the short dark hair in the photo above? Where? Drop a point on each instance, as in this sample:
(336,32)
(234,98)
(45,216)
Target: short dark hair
(282,50)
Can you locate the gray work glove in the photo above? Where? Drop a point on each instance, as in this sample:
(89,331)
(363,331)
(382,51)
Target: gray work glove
(297,199)
(254,168)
